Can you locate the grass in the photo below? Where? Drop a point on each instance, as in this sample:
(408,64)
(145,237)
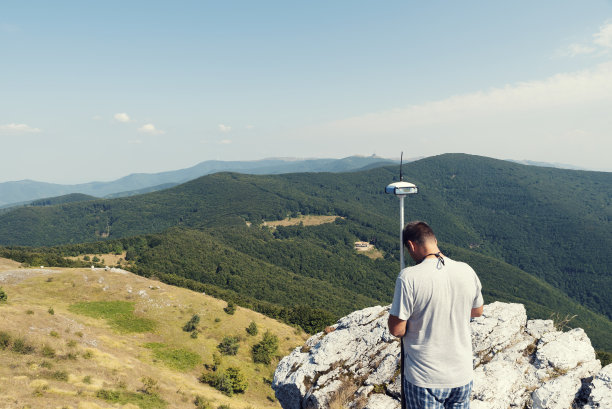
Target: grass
(142,400)
(119,314)
(309,220)
(175,358)
(115,360)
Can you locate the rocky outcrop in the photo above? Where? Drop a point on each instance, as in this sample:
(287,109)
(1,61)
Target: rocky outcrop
(518,363)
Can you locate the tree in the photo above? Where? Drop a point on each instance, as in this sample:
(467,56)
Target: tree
(230,381)
(264,351)
(252,329)
(191,325)
(229,345)
(230,309)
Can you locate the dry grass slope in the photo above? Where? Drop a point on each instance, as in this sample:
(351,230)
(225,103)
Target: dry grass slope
(58,356)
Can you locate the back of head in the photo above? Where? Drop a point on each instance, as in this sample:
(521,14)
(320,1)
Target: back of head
(417,232)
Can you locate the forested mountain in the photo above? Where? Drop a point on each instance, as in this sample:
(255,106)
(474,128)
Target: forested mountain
(24,191)
(516,224)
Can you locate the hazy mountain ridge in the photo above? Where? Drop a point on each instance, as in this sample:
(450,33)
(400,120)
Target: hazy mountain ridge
(21,192)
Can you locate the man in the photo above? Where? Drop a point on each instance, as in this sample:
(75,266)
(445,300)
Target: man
(431,311)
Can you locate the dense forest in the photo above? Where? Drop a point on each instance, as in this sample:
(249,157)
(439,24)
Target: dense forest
(539,236)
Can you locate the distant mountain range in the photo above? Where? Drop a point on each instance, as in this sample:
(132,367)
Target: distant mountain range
(536,235)
(24,191)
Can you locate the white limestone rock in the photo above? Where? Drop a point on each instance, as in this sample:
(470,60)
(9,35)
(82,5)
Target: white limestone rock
(498,327)
(519,364)
(558,393)
(499,384)
(537,328)
(601,390)
(563,351)
(380,401)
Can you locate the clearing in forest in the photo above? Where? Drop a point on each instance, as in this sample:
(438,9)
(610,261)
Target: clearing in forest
(307,220)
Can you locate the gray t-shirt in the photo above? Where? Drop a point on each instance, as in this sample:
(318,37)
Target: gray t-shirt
(436,299)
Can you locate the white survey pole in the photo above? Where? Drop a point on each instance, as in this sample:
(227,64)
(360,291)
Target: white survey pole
(401,189)
(402,263)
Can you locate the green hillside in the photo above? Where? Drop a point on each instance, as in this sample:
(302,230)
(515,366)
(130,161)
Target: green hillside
(550,224)
(91,339)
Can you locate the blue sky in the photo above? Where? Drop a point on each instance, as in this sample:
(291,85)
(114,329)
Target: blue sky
(98,90)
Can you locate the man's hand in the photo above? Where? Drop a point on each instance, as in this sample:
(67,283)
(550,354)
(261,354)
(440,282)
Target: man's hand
(477,312)
(397,327)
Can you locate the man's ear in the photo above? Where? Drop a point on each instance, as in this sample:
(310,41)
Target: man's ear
(410,246)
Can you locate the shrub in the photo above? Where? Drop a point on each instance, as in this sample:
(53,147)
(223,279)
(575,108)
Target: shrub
(87,379)
(108,395)
(192,324)
(54,334)
(264,350)
(60,376)
(229,345)
(3,296)
(47,351)
(51,311)
(252,329)
(21,346)
(201,403)
(230,381)
(5,340)
(194,334)
(149,385)
(230,309)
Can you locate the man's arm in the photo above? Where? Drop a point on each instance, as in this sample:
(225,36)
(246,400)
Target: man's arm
(477,312)
(397,327)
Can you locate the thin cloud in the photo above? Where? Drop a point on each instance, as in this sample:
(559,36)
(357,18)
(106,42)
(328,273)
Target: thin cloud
(602,43)
(225,142)
(604,37)
(121,117)
(579,49)
(97,117)
(225,128)
(250,126)
(559,90)
(563,117)
(150,129)
(18,128)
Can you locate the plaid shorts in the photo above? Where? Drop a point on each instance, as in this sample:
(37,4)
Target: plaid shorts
(437,398)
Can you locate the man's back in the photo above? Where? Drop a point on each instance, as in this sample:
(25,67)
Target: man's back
(436,299)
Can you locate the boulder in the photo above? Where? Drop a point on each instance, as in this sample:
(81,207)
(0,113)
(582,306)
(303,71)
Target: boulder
(518,363)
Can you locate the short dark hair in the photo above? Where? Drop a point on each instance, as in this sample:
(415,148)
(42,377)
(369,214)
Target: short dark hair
(417,232)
